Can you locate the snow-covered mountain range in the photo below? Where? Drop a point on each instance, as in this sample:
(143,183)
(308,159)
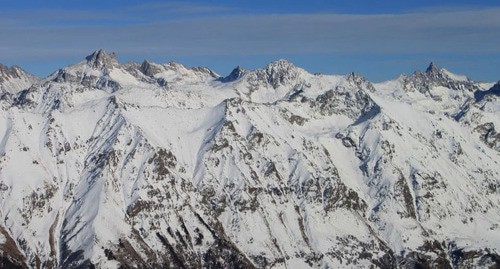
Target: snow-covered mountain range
(145,165)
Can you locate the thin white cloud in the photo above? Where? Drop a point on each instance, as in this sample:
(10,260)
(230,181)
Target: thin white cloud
(458,31)
(178,7)
(128,14)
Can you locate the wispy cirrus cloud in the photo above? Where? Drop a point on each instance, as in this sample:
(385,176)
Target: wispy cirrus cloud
(474,31)
(179,8)
(471,31)
(147,12)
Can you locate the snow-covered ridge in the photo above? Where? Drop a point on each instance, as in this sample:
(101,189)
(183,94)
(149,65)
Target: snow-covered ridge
(147,165)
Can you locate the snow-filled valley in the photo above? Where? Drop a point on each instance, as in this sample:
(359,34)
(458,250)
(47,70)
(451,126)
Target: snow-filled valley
(146,165)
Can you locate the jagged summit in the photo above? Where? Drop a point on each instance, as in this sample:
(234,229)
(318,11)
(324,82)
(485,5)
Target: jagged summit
(434,77)
(149,69)
(435,72)
(14,79)
(4,69)
(12,72)
(280,64)
(432,68)
(94,72)
(99,59)
(280,72)
(206,71)
(236,74)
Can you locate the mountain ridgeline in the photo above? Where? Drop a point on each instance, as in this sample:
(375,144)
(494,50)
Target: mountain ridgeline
(146,165)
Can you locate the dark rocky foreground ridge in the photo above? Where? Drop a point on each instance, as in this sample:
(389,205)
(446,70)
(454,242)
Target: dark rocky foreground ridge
(145,165)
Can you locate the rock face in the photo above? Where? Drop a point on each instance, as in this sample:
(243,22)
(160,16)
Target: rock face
(146,165)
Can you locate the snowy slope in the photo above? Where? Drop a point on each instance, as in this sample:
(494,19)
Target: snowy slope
(146,165)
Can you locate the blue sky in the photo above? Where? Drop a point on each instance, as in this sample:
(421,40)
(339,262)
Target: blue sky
(378,39)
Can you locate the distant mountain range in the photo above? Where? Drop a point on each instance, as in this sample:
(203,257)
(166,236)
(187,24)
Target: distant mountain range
(146,165)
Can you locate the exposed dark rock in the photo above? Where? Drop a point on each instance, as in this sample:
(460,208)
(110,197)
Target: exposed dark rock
(493,91)
(236,74)
(489,135)
(149,69)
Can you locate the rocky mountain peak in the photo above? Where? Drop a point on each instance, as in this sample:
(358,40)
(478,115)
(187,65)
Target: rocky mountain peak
(434,77)
(432,68)
(434,73)
(11,72)
(100,58)
(236,74)
(359,81)
(4,70)
(205,70)
(149,69)
(279,72)
(280,64)
(97,76)
(14,79)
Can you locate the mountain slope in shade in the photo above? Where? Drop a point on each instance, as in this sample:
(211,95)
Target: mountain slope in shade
(145,165)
